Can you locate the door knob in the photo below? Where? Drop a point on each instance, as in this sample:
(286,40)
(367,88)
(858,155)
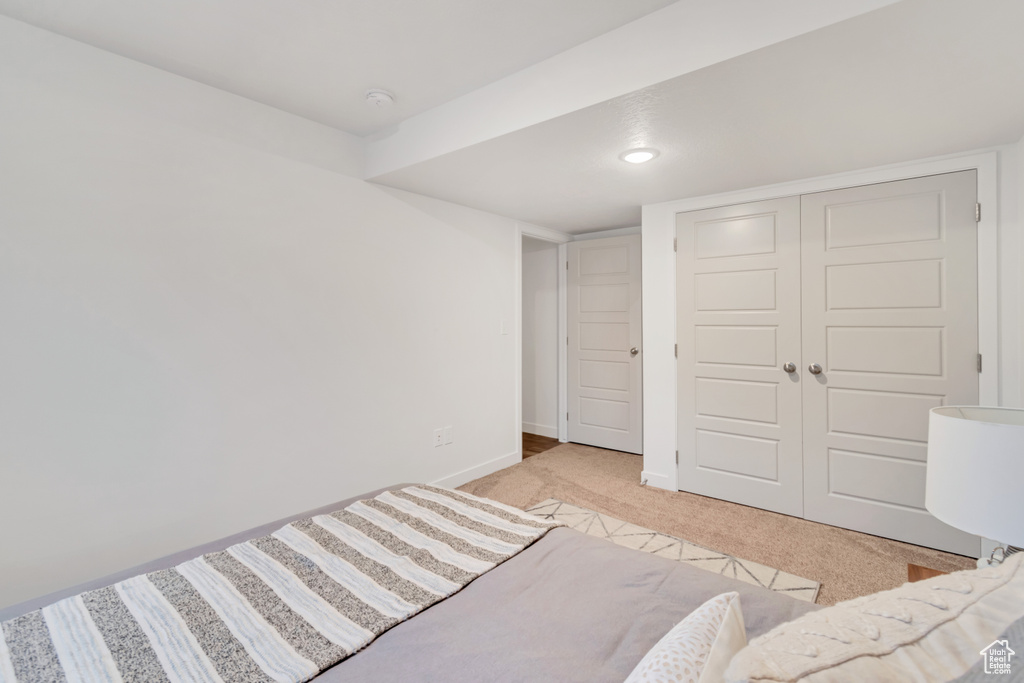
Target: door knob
(814,368)
(789,367)
(633,351)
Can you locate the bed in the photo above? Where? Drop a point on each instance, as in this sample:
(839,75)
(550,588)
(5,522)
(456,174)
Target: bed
(570,607)
(567,608)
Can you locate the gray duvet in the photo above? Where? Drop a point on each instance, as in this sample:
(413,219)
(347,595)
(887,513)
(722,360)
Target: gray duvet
(568,608)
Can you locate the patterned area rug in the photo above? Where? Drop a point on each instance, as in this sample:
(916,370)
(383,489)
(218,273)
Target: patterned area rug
(632,536)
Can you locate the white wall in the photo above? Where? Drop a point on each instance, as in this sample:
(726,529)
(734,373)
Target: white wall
(540,337)
(1012,296)
(204,330)
(1001,192)
(1011,284)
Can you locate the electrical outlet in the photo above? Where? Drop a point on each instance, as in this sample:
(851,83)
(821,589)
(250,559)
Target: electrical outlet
(438,438)
(449,434)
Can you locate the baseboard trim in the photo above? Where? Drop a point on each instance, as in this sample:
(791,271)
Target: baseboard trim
(540,430)
(477,471)
(658,481)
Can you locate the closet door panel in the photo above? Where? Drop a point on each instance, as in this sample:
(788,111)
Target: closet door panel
(738,320)
(889,312)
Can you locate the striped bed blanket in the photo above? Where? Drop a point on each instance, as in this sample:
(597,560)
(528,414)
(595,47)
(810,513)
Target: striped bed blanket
(283,607)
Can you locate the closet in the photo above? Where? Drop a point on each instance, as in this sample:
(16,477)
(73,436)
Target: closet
(814,335)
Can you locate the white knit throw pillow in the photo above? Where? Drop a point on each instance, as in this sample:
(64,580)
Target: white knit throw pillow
(933,630)
(698,648)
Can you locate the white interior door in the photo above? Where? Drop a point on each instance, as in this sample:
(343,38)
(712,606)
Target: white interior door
(605,356)
(890,314)
(738,324)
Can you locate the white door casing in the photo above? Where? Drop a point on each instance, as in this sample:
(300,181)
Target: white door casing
(604,325)
(738,323)
(890,312)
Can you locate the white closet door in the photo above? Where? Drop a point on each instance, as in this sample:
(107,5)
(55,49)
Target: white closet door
(738,323)
(890,314)
(605,360)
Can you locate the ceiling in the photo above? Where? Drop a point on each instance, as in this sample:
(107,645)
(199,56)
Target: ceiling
(909,81)
(318,58)
(522,108)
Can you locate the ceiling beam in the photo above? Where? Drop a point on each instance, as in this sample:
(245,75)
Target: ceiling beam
(681,38)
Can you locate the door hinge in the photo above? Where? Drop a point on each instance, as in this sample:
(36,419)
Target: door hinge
(977,213)
(566,341)
(567,416)
(567,265)
(677,457)
(677,351)
(979,362)
(675,244)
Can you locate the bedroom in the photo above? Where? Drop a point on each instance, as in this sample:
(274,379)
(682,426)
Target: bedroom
(212,320)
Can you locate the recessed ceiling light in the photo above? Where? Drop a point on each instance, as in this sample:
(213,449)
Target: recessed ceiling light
(638,156)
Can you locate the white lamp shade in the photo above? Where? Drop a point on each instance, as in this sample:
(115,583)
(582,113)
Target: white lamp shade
(976,470)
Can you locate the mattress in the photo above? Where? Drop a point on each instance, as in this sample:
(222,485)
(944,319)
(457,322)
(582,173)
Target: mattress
(568,608)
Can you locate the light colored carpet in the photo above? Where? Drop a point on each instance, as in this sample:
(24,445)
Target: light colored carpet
(636,537)
(848,564)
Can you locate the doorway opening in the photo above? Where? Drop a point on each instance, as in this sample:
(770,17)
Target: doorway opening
(540,345)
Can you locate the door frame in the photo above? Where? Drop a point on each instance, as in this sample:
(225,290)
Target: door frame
(659,288)
(562,240)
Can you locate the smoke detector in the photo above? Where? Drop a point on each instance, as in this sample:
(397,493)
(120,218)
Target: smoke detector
(379,99)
